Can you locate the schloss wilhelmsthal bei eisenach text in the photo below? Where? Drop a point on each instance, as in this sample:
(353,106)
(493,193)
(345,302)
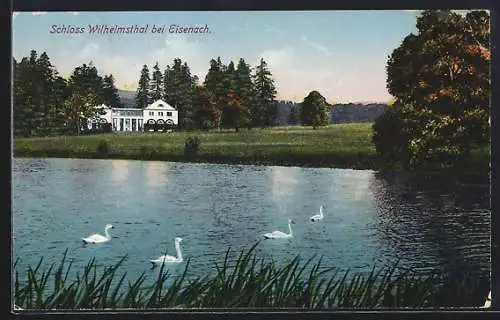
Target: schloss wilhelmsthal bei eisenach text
(116,29)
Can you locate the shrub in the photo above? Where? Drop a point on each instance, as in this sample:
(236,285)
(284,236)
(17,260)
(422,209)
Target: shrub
(104,147)
(192,146)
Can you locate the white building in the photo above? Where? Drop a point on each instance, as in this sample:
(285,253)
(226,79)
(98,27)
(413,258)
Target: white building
(158,116)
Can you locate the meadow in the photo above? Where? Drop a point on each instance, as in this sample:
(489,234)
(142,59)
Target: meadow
(339,145)
(334,146)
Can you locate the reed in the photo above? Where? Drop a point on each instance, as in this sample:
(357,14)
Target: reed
(252,282)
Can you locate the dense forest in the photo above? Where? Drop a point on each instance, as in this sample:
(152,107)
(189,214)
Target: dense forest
(233,96)
(47,104)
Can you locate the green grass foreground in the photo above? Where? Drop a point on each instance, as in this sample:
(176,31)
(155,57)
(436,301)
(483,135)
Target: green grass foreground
(251,282)
(339,145)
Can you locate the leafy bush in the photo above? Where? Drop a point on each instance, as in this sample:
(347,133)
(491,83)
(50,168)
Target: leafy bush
(192,146)
(103,147)
(421,138)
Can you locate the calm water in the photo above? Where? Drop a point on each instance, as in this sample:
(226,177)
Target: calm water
(429,223)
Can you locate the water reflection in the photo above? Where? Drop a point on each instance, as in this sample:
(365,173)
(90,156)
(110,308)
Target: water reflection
(283,185)
(353,185)
(156,173)
(432,232)
(119,170)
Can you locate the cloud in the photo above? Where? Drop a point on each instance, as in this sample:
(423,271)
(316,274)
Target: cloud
(37,13)
(126,68)
(294,79)
(295,74)
(317,46)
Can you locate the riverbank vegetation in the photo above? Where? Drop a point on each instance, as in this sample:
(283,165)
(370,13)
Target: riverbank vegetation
(246,282)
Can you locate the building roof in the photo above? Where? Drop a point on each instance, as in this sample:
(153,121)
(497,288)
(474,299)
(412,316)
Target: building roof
(160,105)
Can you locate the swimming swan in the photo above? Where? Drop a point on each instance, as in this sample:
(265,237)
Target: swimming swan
(170,259)
(319,216)
(97,238)
(279,234)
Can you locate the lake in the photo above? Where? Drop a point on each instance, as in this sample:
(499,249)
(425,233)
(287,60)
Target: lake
(430,223)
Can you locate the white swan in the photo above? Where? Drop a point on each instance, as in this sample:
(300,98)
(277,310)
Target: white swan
(487,303)
(170,259)
(319,216)
(97,238)
(279,234)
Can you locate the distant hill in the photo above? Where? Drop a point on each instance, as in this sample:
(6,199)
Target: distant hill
(354,112)
(127,98)
(340,113)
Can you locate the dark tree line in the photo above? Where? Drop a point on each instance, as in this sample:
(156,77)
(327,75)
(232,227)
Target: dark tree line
(47,104)
(230,96)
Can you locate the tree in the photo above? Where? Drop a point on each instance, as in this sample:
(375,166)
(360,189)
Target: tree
(230,79)
(178,91)
(157,84)
(38,95)
(80,106)
(314,110)
(207,115)
(235,113)
(215,79)
(263,110)
(442,73)
(216,82)
(294,115)
(24,98)
(143,96)
(244,85)
(110,92)
(86,78)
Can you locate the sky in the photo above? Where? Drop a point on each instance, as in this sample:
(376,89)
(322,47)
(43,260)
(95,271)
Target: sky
(341,54)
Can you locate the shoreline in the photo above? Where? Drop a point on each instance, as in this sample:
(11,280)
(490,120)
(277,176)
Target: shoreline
(330,161)
(353,162)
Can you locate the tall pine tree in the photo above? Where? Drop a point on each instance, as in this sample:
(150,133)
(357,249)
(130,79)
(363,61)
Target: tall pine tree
(156,84)
(143,96)
(263,111)
(178,90)
(110,92)
(244,85)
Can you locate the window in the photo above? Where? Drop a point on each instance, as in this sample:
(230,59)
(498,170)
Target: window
(160,113)
(169,114)
(151,113)
(160,105)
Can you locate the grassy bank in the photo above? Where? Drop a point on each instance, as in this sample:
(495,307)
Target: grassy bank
(334,146)
(342,146)
(250,283)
